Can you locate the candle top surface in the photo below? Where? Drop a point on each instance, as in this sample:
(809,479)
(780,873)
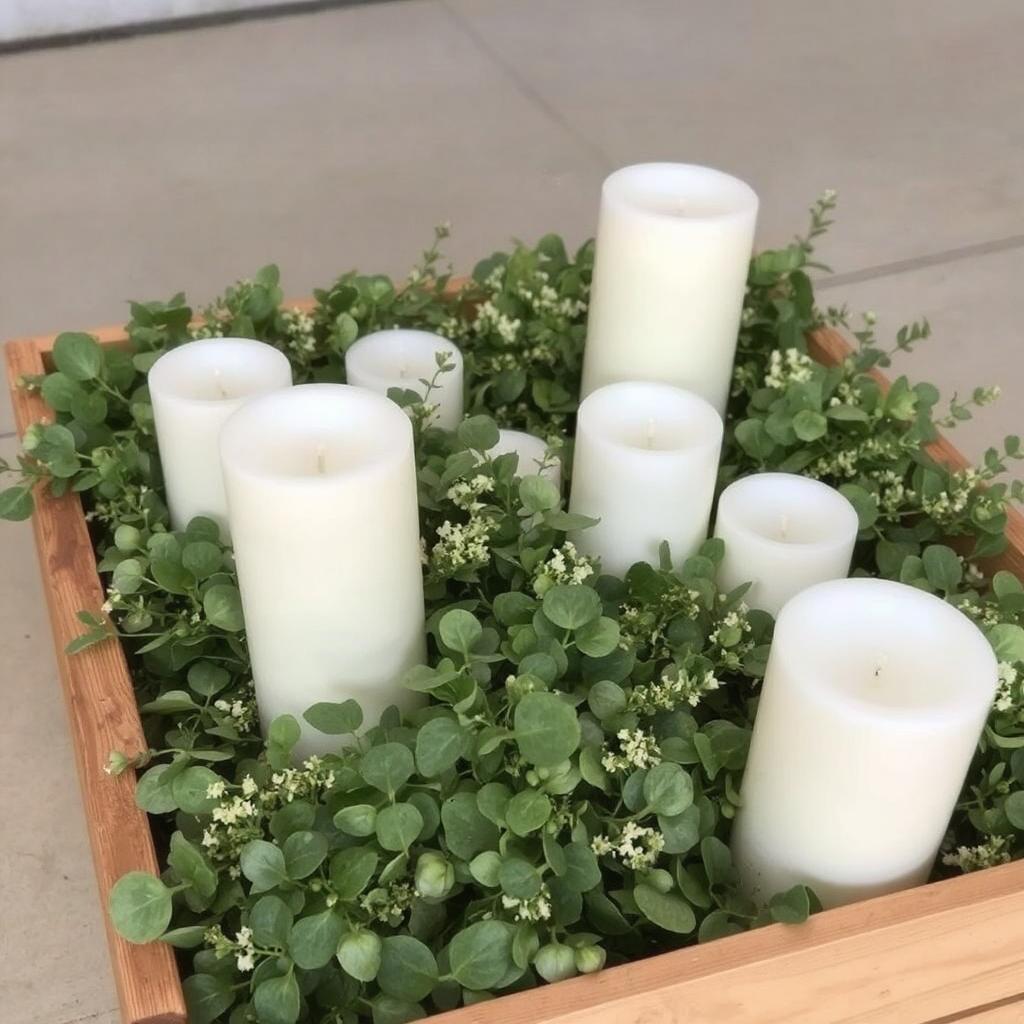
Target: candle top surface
(316,434)
(651,419)
(684,191)
(211,370)
(788,510)
(400,357)
(886,652)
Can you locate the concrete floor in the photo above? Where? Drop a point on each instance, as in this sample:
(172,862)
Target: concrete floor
(131,169)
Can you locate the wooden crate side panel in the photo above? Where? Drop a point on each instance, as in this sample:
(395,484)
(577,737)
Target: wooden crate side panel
(103,717)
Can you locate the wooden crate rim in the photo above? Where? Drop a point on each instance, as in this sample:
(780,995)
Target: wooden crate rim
(883,933)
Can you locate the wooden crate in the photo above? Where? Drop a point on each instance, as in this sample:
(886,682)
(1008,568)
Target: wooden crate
(950,951)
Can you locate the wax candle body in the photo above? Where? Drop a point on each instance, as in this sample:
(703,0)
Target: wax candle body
(670,269)
(533,455)
(321,487)
(194,388)
(783,533)
(645,464)
(404,359)
(873,702)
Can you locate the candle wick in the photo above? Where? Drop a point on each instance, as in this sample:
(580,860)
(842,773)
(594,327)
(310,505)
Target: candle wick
(650,432)
(402,371)
(321,459)
(883,661)
(221,390)
(784,527)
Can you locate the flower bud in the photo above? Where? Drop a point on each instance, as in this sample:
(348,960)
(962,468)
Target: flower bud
(589,959)
(434,875)
(555,962)
(116,763)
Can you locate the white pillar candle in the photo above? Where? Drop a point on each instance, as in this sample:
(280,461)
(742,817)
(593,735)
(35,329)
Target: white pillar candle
(194,388)
(534,458)
(405,359)
(873,702)
(673,248)
(645,464)
(321,486)
(783,533)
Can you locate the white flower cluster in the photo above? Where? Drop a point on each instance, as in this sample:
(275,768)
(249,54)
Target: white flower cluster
(892,492)
(465,494)
(846,394)
(461,544)
(1008,694)
(239,816)
(994,851)
(637,846)
(536,908)
(245,957)
(490,318)
(944,508)
(637,749)
(388,904)
(300,329)
(789,367)
(209,328)
(242,711)
(565,565)
(673,690)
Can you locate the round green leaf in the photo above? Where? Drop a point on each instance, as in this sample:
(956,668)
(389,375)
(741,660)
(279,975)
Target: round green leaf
(792,906)
(582,872)
(351,871)
(480,433)
(546,728)
(202,558)
(359,954)
(537,493)
(408,969)
(440,742)
(271,921)
(207,996)
(1013,808)
(571,606)
(598,638)
(152,794)
(486,867)
(314,939)
(59,391)
(304,852)
(466,830)
(335,719)
(16,504)
(263,864)
(667,910)
(277,1000)
(809,425)
(189,789)
(140,906)
(459,630)
(481,955)
(128,575)
(398,826)
(357,820)
(78,356)
(387,767)
(518,878)
(223,607)
(527,811)
(668,789)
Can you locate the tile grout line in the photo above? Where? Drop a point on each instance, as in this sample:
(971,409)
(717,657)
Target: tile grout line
(528,91)
(921,262)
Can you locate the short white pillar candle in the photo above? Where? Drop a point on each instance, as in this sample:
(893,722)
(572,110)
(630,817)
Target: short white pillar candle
(534,457)
(321,486)
(783,533)
(645,464)
(194,388)
(874,699)
(670,270)
(404,359)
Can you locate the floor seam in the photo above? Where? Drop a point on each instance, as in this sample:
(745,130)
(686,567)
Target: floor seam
(907,266)
(95,1015)
(534,96)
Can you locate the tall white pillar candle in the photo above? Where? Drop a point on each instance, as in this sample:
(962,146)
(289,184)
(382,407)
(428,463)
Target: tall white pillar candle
(405,359)
(534,457)
(670,269)
(645,465)
(194,388)
(321,487)
(783,533)
(873,702)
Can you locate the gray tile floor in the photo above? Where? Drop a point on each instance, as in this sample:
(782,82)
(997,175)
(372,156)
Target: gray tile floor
(131,169)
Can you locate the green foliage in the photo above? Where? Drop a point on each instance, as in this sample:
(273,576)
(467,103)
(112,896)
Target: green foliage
(567,793)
